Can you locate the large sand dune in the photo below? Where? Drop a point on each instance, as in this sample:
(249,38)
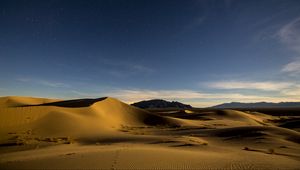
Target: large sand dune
(106,133)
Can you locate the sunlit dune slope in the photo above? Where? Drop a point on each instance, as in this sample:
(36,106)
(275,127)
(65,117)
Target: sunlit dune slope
(14,101)
(99,116)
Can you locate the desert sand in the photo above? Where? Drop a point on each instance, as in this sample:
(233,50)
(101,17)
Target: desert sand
(105,133)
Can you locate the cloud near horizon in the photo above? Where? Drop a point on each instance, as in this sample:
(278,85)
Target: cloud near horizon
(253,85)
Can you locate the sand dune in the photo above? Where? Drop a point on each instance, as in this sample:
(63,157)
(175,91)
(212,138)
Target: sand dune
(106,133)
(13,101)
(59,119)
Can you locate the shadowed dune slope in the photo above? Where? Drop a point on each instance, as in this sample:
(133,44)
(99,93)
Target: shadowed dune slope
(255,132)
(72,103)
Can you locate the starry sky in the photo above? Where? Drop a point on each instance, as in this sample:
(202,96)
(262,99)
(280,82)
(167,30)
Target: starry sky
(201,52)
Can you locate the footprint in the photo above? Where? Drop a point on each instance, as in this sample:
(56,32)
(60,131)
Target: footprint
(115,160)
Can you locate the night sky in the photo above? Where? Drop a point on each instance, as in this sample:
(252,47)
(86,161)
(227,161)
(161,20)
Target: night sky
(201,52)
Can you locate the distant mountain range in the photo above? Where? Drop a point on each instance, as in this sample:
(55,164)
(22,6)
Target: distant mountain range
(158,103)
(257,105)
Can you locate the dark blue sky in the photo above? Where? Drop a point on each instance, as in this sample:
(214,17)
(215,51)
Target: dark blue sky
(201,52)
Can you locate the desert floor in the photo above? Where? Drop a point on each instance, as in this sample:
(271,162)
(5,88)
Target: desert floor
(105,133)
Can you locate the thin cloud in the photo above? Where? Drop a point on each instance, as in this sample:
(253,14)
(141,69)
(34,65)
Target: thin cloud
(293,67)
(23,79)
(265,85)
(125,68)
(44,82)
(142,68)
(83,94)
(289,34)
(52,84)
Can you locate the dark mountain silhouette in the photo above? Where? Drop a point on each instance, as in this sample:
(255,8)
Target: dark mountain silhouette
(258,105)
(158,103)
